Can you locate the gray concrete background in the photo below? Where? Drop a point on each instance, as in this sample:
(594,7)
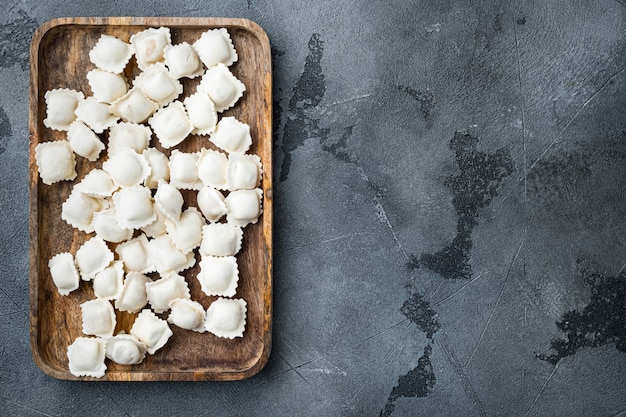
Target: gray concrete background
(449,213)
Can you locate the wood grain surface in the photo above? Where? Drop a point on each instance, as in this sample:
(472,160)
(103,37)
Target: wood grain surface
(59,59)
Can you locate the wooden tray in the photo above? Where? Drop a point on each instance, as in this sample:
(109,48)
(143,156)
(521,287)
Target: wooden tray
(59,59)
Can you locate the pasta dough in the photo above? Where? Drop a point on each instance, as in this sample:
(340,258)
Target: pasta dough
(215,46)
(186,233)
(134,207)
(171,124)
(202,113)
(128,135)
(78,210)
(159,168)
(86,357)
(55,161)
(162,291)
(212,167)
(133,296)
(64,273)
(219,275)
(135,254)
(98,317)
(61,104)
(95,114)
(150,46)
(111,54)
(184,170)
(127,168)
(84,141)
(106,86)
(97,184)
(133,106)
(92,257)
(125,349)
(183,61)
(221,239)
(211,204)
(158,85)
(232,135)
(243,207)
(222,87)
(187,314)
(226,317)
(151,330)
(108,283)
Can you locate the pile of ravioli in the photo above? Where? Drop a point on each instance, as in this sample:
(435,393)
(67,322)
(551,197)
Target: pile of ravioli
(133,207)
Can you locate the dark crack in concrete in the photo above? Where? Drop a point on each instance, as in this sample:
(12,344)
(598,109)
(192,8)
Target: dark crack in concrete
(425,99)
(418,310)
(306,94)
(600,323)
(5,130)
(473,189)
(418,382)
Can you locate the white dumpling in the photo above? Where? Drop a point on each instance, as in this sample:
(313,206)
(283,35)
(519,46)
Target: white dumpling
(215,46)
(127,168)
(125,349)
(226,317)
(128,135)
(243,207)
(158,84)
(134,207)
(60,106)
(187,314)
(212,167)
(183,61)
(98,317)
(55,161)
(95,114)
(107,227)
(162,291)
(232,135)
(211,204)
(151,330)
(221,239)
(97,184)
(92,257)
(106,86)
(157,227)
(186,233)
(184,170)
(219,275)
(135,253)
(171,124)
(133,296)
(202,113)
(159,167)
(150,45)
(169,201)
(222,87)
(64,273)
(167,258)
(78,210)
(108,284)
(244,172)
(111,54)
(86,357)
(84,141)
(133,106)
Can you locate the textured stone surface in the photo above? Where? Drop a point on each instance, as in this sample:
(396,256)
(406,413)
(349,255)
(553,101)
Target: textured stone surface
(449,213)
